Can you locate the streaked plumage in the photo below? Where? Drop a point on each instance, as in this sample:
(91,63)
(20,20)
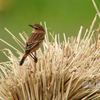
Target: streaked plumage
(34,41)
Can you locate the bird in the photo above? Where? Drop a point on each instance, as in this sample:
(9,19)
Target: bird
(34,42)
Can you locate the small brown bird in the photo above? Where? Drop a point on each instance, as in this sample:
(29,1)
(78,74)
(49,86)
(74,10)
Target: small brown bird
(34,42)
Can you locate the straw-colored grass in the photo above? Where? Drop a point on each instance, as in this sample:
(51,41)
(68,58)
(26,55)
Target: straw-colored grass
(67,70)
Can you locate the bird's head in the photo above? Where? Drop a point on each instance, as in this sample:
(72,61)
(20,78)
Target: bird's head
(37,27)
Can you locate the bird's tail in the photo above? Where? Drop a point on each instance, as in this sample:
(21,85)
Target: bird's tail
(22,60)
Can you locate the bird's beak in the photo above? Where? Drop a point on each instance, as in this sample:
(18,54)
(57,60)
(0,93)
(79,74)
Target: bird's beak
(31,25)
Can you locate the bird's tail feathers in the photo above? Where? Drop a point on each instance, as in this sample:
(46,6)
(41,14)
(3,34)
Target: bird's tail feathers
(22,60)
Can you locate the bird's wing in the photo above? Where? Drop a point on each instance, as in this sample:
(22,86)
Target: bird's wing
(36,37)
(31,45)
(33,41)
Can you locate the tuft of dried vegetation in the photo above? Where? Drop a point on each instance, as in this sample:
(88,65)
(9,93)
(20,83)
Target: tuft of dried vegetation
(67,70)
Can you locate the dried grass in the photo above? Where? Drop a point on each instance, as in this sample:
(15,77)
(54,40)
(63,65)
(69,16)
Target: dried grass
(67,70)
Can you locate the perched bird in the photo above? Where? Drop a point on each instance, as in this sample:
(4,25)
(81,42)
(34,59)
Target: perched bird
(34,42)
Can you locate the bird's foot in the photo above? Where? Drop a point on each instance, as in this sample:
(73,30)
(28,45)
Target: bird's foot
(35,60)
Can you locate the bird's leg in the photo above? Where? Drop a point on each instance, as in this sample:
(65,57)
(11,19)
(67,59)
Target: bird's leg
(35,59)
(31,56)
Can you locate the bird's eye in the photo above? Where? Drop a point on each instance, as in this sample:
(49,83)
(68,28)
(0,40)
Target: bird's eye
(36,28)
